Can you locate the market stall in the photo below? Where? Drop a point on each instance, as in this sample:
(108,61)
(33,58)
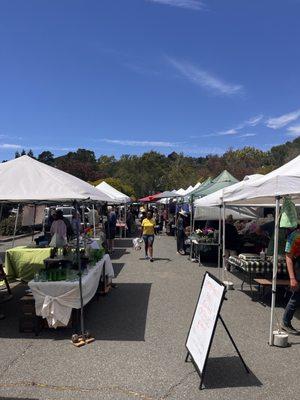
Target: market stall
(54,301)
(120,199)
(26,181)
(210,207)
(208,187)
(270,190)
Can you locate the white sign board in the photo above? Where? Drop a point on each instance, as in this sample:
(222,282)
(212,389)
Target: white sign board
(204,320)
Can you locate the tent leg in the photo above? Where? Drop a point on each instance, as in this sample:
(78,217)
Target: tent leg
(125,217)
(275,267)
(94,222)
(16,224)
(223,240)
(80,278)
(34,217)
(219,241)
(192,225)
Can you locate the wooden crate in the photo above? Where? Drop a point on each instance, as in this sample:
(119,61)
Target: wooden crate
(29,321)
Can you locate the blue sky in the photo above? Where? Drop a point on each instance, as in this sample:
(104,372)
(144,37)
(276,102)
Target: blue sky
(128,76)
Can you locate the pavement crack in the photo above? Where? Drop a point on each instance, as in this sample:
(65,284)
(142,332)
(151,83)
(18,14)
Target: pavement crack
(103,389)
(12,362)
(176,385)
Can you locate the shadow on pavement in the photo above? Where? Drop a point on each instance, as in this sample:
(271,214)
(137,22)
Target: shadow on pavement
(155,259)
(123,243)
(118,268)
(18,398)
(122,314)
(118,253)
(226,372)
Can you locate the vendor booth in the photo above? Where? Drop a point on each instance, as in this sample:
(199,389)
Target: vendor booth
(117,198)
(27,181)
(269,190)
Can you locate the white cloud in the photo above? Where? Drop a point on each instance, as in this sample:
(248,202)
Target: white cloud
(228,132)
(294,130)
(188,4)
(254,120)
(10,146)
(141,143)
(244,135)
(283,120)
(204,79)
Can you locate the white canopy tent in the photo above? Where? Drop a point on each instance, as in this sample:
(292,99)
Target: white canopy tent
(181,192)
(26,180)
(188,190)
(214,213)
(280,182)
(269,190)
(167,200)
(115,195)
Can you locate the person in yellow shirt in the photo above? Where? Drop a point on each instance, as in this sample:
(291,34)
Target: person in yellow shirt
(148,225)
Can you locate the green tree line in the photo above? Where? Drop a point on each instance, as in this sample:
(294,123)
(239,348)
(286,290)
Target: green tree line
(151,172)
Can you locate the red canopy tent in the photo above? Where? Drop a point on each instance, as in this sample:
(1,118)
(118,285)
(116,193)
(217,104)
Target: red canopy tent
(148,199)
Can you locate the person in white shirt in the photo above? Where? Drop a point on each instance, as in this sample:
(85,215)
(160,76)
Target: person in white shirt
(58,226)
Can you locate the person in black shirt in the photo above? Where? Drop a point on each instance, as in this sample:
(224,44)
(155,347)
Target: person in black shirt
(111,227)
(181,224)
(231,240)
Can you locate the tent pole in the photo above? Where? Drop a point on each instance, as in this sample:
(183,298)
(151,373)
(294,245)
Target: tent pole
(219,241)
(34,217)
(275,268)
(125,216)
(223,239)
(1,211)
(80,277)
(192,226)
(15,228)
(94,222)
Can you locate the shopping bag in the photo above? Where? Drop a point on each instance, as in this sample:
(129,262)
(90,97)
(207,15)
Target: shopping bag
(57,241)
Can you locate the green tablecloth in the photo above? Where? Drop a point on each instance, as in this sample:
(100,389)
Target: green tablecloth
(22,262)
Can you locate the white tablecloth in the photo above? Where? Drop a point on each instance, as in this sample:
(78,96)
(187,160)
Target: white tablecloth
(55,300)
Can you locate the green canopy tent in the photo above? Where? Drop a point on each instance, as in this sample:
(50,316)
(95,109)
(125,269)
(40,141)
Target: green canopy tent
(203,185)
(220,182)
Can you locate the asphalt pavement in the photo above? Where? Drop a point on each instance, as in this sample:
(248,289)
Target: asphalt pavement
(140,329)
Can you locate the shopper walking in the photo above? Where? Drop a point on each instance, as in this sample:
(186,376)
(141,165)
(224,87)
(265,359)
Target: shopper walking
(111,228)
(180,225)
(148,225)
